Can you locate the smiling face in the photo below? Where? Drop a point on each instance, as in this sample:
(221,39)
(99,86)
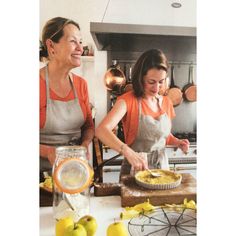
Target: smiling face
(69,48)
(153,81)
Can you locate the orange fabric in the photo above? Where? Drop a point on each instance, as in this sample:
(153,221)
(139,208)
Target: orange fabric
(172,140)
(130,120)
(82,93)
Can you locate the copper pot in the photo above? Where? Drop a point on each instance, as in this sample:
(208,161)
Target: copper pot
(190,89)
(114,79)
(174,92)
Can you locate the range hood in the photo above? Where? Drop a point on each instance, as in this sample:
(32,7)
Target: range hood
(121,37)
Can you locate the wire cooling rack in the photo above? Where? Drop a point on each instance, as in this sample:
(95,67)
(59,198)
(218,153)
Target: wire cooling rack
(164,221)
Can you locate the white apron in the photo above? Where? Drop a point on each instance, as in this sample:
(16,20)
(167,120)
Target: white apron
(63,122)
(151,139)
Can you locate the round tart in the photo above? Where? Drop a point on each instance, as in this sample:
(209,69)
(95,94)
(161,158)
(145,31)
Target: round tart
(167,180)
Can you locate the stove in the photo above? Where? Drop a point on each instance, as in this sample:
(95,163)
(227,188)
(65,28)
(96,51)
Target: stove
(176,156)
(191,136)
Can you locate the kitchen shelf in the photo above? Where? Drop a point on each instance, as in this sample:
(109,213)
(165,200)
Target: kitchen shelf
(87,58)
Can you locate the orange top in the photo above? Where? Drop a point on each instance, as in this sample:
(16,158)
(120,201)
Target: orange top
(130,120)
(82,92)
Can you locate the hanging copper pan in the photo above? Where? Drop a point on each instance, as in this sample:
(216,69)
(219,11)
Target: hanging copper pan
(190,89)
(129,85)
(114,79)
(174,92)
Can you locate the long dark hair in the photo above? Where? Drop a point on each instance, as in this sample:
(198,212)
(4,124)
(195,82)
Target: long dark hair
(153,58)
(53,30)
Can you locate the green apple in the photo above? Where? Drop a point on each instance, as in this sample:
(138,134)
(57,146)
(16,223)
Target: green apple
(89,223)
(117,229)
(77,230)
(63,224)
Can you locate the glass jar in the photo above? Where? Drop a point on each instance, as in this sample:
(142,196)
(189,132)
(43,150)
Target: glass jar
(72,177)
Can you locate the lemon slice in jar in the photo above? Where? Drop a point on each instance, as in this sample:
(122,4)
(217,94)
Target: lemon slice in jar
(73,175)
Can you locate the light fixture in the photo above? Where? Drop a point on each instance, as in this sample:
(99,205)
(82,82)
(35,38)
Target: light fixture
(176,4)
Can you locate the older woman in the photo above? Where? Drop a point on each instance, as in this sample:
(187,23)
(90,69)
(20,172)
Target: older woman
(65,114)
(146,117)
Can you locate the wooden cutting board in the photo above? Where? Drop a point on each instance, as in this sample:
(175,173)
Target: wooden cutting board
(132,194)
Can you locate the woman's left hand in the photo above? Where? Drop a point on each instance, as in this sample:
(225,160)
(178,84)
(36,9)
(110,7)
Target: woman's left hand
(183,145)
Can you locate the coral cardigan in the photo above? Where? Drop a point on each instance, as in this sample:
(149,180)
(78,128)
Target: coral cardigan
(82,93)
(130,120)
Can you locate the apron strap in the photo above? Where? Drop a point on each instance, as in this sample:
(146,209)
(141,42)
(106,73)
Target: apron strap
(47,86)
(48,90)
(73,87)
(159,107)
(139,108)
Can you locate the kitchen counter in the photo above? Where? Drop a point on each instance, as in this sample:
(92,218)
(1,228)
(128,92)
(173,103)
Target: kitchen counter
(104,209)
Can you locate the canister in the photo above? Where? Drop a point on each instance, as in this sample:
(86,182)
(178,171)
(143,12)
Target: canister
(72,176)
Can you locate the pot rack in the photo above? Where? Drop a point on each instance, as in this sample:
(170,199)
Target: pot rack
(126,65)
(182,63)
(170,62)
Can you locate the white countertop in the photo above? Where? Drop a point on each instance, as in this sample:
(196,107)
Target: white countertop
(104,209)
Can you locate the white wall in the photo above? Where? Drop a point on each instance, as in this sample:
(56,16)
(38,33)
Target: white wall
(82,11)
(151,12)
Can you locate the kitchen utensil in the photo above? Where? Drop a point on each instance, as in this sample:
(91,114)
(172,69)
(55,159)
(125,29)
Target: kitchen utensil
(153,174)
(190,89)
(166,180)
(129,85)
(165,221)
(114,78)
(68,201)
(174,92)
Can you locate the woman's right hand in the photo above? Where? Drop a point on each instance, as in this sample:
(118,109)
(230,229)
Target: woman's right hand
(135,159)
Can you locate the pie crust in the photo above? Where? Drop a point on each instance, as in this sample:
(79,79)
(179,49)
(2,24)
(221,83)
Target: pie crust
(167,180)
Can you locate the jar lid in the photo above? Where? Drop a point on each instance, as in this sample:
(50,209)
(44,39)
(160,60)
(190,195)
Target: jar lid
(73,175)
